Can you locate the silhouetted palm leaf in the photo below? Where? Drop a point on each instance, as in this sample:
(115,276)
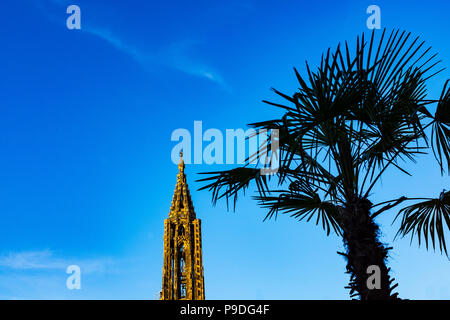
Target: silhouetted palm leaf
(430,219)
(440,135)
(303,202)
(233,181)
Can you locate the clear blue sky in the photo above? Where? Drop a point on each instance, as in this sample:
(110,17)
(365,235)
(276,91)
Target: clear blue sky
(86,117)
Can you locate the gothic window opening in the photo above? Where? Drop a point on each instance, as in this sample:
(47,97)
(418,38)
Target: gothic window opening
(180,231)
(181,271)
(183,291)
(182,259)
(181,199)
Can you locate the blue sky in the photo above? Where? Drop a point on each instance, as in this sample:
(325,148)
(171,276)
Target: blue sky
(86,175)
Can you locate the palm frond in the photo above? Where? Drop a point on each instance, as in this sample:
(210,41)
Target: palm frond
(228,183)
(440,135)
(302,202)
(429,219)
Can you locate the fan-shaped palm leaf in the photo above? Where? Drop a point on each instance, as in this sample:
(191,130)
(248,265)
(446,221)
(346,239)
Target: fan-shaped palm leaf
(440,135)
(430,219)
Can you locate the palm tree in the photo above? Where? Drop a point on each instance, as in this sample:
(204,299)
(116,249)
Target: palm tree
(358,115)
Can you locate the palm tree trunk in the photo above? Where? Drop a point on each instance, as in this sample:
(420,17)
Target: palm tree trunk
(360,235)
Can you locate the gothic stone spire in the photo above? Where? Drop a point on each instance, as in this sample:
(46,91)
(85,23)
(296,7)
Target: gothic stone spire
(181,201)
(183,261)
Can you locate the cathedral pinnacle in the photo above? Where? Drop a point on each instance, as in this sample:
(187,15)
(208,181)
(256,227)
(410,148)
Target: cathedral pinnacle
(181,162)
(183,262)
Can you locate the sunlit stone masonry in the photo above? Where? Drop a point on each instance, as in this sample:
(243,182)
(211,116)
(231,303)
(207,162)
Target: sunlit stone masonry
(183,262)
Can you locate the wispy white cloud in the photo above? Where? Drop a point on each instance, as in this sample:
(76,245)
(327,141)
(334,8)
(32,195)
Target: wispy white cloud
(41,274)
(120,45)
(28,260)
(46,260)
(175,56)
(179,57)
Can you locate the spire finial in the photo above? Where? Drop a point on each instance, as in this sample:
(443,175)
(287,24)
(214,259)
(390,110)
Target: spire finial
(181,162)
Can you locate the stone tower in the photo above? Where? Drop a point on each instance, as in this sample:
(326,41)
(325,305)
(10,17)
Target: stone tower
(183,261)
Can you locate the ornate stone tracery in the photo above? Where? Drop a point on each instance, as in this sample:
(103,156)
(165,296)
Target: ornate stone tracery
(183,261)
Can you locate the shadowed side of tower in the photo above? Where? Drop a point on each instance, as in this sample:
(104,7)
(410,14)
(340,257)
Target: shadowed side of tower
(183,261)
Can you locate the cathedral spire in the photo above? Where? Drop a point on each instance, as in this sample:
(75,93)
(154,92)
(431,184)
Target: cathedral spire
(183,261)
(181,199)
